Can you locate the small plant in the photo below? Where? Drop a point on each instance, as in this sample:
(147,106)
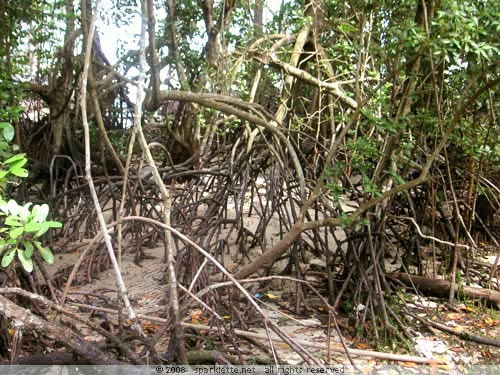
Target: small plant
(23,225)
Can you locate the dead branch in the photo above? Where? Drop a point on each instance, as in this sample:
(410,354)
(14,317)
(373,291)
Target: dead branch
(441,288)
(66,337)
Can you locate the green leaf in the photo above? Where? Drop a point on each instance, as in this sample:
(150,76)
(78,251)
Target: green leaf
(18,164)
(46,226)
(32,227)
(43,229)
(19,172)
(8,131)
(8,257)
(12,221)
(16,232)
(26,261)
(54,224)
(28,246)
(44,252)
(47,255)
(15,158)
(3,146)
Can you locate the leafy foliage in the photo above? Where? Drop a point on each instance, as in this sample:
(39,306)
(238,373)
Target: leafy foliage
(22,229)
(22,225)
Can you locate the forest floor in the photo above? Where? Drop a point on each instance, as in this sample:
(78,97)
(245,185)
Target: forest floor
(96,298)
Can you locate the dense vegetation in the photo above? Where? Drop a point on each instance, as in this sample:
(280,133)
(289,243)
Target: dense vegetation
(368,128)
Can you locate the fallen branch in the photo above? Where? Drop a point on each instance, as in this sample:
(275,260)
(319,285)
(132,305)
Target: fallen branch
(49,359)
(66,337)
(51,306)
(441,288)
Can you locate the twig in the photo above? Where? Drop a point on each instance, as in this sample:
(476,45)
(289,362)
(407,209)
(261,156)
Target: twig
(193,296)
(434,238)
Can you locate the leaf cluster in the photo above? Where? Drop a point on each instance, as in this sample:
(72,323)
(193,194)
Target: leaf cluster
(22,229)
